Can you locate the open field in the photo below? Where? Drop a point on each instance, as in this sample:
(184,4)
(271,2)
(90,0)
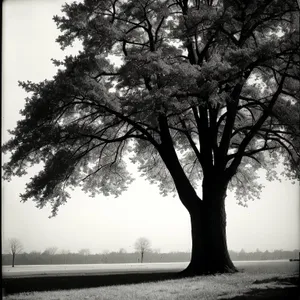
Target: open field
(234,286)
(84,269)
(155,281)
(274,266)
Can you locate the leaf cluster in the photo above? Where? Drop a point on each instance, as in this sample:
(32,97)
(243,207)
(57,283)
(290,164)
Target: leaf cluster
(203,88)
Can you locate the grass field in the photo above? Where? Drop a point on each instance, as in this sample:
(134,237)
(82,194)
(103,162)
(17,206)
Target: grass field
(207,287)
(255,278)
(273,266)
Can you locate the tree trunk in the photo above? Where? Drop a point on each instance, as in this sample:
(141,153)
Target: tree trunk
(13,259)
(208,218)
(208,223)
(142,256)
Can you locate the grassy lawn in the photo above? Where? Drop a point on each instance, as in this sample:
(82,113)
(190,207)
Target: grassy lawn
(205,287)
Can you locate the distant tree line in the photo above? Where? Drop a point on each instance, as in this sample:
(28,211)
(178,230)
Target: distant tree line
(266,255)
(37,258)
(49,256)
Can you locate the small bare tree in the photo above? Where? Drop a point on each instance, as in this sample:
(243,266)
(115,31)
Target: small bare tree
(65,254)
(105,254)
(84,252)
(15,247)
(51,251)
(142,245)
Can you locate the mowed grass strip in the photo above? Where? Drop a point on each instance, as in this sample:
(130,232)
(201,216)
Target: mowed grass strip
(204,287)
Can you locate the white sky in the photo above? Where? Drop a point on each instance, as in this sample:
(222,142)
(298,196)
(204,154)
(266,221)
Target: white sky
(103,223)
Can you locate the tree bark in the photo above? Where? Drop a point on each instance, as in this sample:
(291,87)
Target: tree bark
(208,223)
(13,259)
(208,217)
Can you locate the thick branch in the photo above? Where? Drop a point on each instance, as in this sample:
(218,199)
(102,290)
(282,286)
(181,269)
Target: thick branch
(192,143)
(205,140)
(237,160)
(133,123)
(167,152)
(231,104)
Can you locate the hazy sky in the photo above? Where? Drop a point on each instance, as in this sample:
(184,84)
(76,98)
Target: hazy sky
(104,223)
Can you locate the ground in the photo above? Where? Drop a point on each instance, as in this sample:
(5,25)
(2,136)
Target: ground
(243,285)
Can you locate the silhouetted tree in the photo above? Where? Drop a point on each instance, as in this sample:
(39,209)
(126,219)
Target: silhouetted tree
(242,255)
(204,90)
(122,250)
(50,252)
(266,255)
(258,254)
(142,245)
(15,247)
(65,255)
(105,255)
(85,252)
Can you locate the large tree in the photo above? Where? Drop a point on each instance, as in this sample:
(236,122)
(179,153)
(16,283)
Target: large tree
(195,92)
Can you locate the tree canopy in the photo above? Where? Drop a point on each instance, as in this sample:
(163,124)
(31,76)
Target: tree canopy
(15,246)
(142,245)
(188,87)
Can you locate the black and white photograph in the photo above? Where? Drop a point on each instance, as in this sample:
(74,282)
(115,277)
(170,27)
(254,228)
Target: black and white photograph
(150,149)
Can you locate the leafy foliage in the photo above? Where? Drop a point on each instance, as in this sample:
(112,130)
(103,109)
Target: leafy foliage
(205,89)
